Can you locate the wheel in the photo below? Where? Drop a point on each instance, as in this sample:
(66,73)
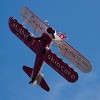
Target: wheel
(44,51)
(29,38)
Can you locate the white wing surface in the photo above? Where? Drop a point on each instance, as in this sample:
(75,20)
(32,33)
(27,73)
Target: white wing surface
(73,56)
(33,21)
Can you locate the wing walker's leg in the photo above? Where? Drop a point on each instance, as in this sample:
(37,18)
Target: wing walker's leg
(30,82)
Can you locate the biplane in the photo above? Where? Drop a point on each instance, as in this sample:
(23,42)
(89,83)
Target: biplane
(41,47)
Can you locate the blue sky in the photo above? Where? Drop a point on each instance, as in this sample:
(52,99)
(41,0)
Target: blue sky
(80,19)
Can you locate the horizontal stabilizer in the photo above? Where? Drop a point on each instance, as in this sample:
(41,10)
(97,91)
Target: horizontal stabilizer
(40,80)
(28,70)
(61,67)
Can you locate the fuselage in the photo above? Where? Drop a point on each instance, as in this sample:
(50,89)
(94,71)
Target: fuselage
(45,41)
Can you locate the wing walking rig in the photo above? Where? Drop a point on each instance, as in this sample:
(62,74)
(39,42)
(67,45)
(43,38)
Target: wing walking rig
(41,47)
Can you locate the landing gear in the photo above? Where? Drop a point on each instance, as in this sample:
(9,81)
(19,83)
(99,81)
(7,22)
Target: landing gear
(30,82)
(29,38)
(44,51)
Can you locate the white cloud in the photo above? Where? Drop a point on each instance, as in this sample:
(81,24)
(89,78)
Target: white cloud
(92,93)
(89,88)
(55,93)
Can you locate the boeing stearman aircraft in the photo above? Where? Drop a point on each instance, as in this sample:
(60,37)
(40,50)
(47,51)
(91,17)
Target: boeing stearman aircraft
(41,47)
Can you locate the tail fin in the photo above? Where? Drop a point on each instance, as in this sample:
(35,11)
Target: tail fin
(40,80)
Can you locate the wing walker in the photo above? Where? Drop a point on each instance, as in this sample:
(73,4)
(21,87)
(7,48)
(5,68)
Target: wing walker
(41,47)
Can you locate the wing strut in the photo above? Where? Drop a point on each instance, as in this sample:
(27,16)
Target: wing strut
(64,54)
(26,20)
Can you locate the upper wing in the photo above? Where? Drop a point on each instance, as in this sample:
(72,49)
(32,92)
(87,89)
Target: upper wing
(73,56)
(33,21)
(23,34)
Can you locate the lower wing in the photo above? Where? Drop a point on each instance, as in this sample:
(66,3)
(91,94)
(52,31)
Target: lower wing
(60,66)
(23,34)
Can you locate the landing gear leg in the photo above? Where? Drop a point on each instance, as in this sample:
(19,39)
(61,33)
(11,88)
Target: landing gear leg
(30,82)
(44,51)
